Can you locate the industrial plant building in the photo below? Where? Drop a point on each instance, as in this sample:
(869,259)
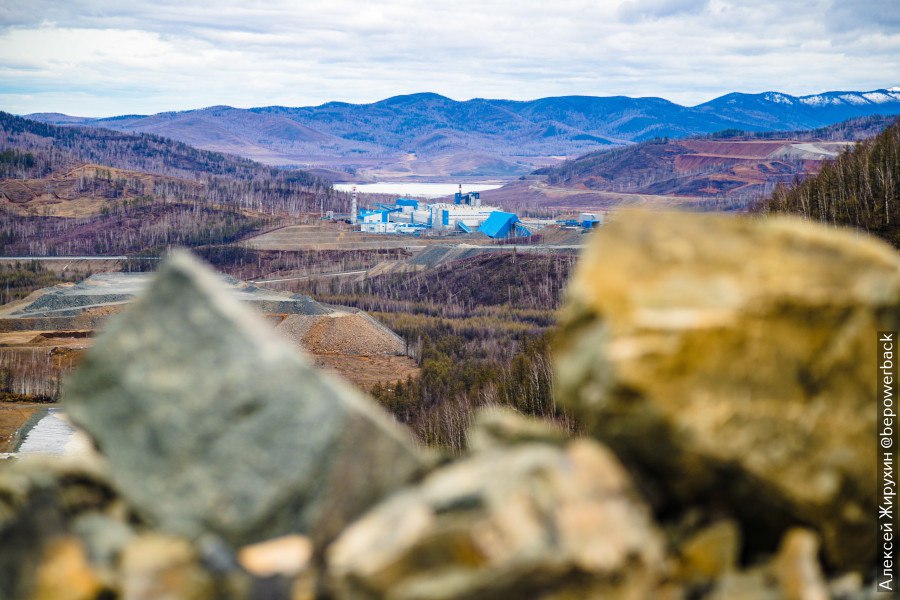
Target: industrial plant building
(466,214)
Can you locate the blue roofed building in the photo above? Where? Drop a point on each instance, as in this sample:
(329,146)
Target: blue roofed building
(407,202)
(500,225)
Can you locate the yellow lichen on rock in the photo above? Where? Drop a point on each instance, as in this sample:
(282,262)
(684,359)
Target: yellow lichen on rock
(722,356)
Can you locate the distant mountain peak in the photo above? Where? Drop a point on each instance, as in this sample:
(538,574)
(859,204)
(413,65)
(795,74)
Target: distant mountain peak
(481,137)
(412,98)
(881,96)
(779,98)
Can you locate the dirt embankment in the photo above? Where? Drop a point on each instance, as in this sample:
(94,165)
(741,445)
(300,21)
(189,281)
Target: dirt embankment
(351,333)
(353,345)
(366,371)
(13,420)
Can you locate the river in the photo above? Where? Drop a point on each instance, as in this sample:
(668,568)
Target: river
(45,432)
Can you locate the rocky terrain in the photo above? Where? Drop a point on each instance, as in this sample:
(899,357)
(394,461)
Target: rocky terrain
(721,367)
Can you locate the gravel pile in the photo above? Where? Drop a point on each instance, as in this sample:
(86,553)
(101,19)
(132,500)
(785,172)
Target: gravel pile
(440,255)
(342,333)
(297,305)
(430,256)
(103,290)
(59,300)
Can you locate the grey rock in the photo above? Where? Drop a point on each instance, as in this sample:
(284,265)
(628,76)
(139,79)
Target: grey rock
(731,361)
(497,426)
(532,520)
(212,423)
(104,536)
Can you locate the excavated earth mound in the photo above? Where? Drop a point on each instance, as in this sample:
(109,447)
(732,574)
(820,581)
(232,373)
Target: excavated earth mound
(353,333)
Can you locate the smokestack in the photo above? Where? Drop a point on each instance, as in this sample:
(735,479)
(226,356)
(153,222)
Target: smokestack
(353,206)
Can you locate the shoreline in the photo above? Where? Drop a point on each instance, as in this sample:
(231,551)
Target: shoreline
(10,443)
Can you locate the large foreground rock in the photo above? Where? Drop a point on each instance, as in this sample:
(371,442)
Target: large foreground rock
(212,423)
(534,520)
(731,363)
(54,514)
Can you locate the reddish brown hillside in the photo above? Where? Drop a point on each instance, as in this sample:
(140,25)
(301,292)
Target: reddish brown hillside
(737,169)
(735,149)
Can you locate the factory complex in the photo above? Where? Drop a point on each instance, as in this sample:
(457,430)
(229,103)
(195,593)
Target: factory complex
(465,215)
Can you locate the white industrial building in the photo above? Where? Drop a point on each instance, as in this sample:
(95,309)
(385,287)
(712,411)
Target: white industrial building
(379,227)
(589,220)
(465,213)
(447,217)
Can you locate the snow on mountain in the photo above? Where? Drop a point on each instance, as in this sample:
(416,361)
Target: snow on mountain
(853,98)
(779,98)
(881,98)
(815,100)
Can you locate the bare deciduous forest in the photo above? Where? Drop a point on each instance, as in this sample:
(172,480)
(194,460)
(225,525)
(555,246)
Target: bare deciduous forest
(861,189)
(481,331)
(137,192)
(249,264)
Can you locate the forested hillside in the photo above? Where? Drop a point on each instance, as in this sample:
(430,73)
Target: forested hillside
(82,190)
(480,330)
(861,188)
(32,150)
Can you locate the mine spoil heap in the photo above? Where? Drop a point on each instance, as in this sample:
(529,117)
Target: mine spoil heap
(721,369)
(119,288)
(341,332)
(38,344)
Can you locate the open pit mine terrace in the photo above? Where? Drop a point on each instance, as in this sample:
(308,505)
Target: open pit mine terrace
(43,336)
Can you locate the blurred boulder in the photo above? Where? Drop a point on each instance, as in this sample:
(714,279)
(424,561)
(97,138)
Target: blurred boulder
(283,568)
(213,424)
(797,569)
(498,426)
(532,520)
(64,572)
(45,552)
(157,566)
(710,553)
(793,573)
(288,555)
(729,363)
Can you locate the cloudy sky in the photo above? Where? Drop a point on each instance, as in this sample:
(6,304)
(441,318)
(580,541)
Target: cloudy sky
(108,57)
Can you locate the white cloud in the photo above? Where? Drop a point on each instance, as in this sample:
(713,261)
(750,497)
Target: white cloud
(101,57)
(638,10)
